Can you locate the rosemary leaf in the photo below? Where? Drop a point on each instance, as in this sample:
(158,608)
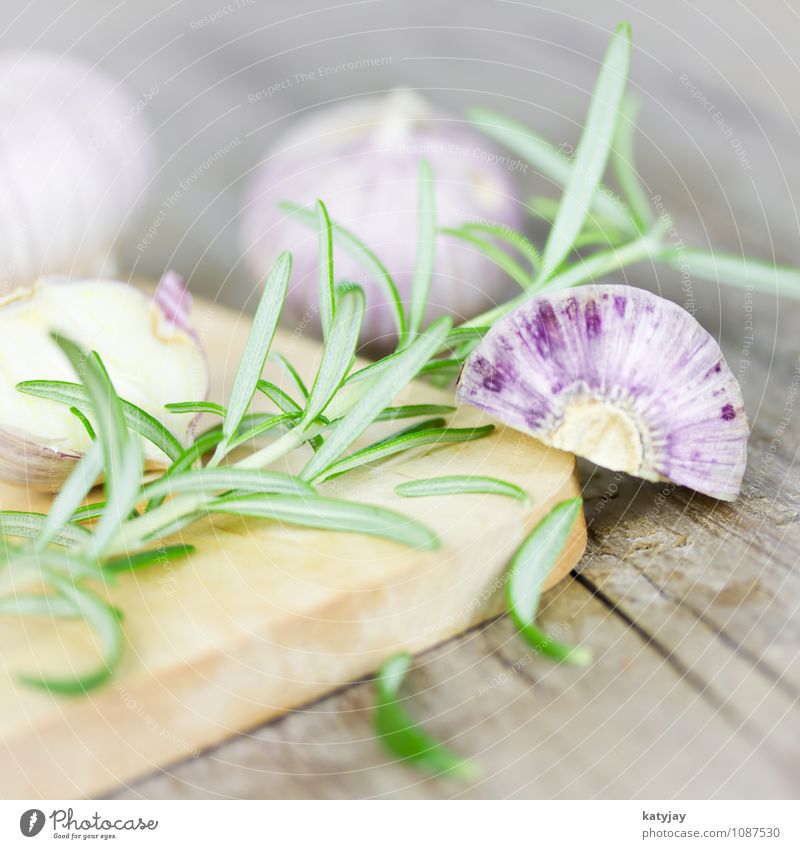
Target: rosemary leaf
(327,293)
(74,395)
(410,411)
(73,492)
(196,407)
(591,156)
(530,566)
(624,165)
(461,484)
(497,255)
(151,557)
(210,482)
(517,241)
(282,400)
(401,736)
(122,455)
(426,249)
(414,439)
(260,429)
(204,443)
(372,265)
(548,160)
(104,621)
(87,425)
(339,351)
(329,514)
(738,271)
(33,604)
(402,369)
(17,523)
(286,365)
(256,349)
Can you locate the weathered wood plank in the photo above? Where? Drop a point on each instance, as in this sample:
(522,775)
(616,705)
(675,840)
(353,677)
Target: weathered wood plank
(630,725)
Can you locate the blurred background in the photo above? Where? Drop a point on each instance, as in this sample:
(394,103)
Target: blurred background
(215,84)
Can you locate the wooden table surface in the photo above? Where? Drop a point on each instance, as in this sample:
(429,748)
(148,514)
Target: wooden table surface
(691,606)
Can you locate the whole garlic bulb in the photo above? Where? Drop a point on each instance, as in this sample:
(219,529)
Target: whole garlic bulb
(362,159)
(151,353)
(74,160)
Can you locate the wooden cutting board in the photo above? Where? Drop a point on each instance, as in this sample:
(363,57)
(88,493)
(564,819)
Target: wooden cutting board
(264,618)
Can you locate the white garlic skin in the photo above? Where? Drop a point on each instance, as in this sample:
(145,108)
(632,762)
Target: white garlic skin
(620,376)
(151,361)
(76,159)
(362,160)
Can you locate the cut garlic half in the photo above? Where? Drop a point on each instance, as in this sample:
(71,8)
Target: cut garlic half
(620,376)
(152,357)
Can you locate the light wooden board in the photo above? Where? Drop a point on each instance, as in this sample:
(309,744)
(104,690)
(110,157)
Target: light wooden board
(265,617)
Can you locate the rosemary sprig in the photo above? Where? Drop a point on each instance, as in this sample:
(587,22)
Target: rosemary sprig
(401,736)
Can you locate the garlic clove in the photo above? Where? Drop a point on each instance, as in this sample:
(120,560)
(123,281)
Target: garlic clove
(620,376)
(152,355)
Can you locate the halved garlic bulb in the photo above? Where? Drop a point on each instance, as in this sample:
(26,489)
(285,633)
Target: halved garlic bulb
(620,376)
(147,345)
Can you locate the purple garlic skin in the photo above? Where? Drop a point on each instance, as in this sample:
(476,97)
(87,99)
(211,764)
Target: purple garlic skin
(620,376)
(362,159)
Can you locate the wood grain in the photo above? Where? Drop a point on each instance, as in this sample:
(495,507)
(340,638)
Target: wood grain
(263,617)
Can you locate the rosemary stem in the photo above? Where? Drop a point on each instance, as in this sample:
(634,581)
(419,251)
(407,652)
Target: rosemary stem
(646,246)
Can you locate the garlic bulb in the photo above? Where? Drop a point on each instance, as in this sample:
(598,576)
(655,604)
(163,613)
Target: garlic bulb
(152,357)
(621,377)
(75,160)
(362,160)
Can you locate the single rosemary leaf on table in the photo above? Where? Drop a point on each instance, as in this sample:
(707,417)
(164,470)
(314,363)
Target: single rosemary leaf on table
(257,347)
(462,484)
(532,563)
(138,420)
(414,439)
(368,259)
(402,737)
(402,369)
(102,618)
(329,514)
(17,523)
(591,156)
(426,250)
